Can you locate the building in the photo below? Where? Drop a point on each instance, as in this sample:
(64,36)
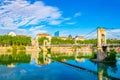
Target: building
(77,38)
(11,34)
(44,35)
(69,37)
(63,38)
(56,34)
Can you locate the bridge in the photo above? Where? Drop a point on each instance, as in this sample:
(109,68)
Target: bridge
(65,45)
(101,51)
(101,43)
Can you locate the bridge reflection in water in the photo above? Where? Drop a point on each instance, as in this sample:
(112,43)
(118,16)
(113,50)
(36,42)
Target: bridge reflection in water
(100,71)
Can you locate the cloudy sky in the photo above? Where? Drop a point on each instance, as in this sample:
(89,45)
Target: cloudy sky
(75,17)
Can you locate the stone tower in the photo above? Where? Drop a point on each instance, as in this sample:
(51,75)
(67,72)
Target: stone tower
(101,44)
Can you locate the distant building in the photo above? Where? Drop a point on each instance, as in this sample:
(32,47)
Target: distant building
(11,34)
(56,34)
(70,37)
(63,38)
(77,38)
(44,35)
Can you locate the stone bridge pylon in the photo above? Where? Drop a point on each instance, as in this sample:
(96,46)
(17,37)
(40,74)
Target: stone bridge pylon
(46,56)
(101,44)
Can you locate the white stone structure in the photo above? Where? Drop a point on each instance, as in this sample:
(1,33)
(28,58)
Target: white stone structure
(11,34)
(101,36)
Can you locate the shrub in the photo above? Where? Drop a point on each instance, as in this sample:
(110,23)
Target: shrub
(22,48)
(111,56)
(9,50)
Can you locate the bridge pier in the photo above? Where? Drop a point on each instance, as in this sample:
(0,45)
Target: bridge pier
(101,45)
(45,51)
(46,56)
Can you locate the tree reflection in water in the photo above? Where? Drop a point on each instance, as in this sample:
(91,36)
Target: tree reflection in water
(20,57)
(103,73)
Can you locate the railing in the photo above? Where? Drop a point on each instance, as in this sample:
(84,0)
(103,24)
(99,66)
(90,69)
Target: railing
(66,45)
(116,45)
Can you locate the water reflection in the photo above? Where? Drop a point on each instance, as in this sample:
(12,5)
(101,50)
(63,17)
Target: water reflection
(104,71)
(14,58)
(43,59)
(80,59)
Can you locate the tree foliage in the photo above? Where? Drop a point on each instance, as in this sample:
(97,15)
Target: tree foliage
(113,41)
(89,41)
(41,40)
(56,40)
(111,56)
(94,41)
(6,40)
(20,57)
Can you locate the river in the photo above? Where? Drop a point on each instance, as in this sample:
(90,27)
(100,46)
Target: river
(26,67)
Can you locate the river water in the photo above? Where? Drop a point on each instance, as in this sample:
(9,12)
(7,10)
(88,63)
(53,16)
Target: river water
(26,67)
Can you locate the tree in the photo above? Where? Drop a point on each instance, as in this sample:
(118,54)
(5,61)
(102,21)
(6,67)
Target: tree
(41,40)
(56,40)
(6,40)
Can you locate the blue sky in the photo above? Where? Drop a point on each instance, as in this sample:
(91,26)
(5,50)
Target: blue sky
(75,17)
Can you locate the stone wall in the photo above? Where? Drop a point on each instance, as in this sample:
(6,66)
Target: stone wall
(70,49)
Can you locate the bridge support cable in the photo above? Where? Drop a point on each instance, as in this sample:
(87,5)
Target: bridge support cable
(113,34)
(91,33)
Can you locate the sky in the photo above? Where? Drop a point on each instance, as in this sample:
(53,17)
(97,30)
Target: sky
(69,17)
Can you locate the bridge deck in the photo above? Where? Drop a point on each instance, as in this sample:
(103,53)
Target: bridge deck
(65,45)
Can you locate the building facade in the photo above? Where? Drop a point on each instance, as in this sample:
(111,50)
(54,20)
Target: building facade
(77,38)
(44,35)
(56,34)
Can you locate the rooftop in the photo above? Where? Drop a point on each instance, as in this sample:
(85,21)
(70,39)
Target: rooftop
(44,34)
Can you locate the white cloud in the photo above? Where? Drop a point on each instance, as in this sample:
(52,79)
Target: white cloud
(71,23)
(77,14)
(114,33)
(66,19)
(55,22)
(36,30)
(21,13)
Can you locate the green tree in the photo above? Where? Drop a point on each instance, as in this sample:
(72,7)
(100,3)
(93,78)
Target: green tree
(41,40)
(6,40)
(89,41)
(56,40)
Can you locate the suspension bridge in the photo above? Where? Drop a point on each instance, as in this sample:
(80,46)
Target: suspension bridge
(101,50)
(101,34)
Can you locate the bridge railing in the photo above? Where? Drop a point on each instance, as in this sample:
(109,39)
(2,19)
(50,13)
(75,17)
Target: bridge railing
(113,45)
(72,45)
(65,45)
